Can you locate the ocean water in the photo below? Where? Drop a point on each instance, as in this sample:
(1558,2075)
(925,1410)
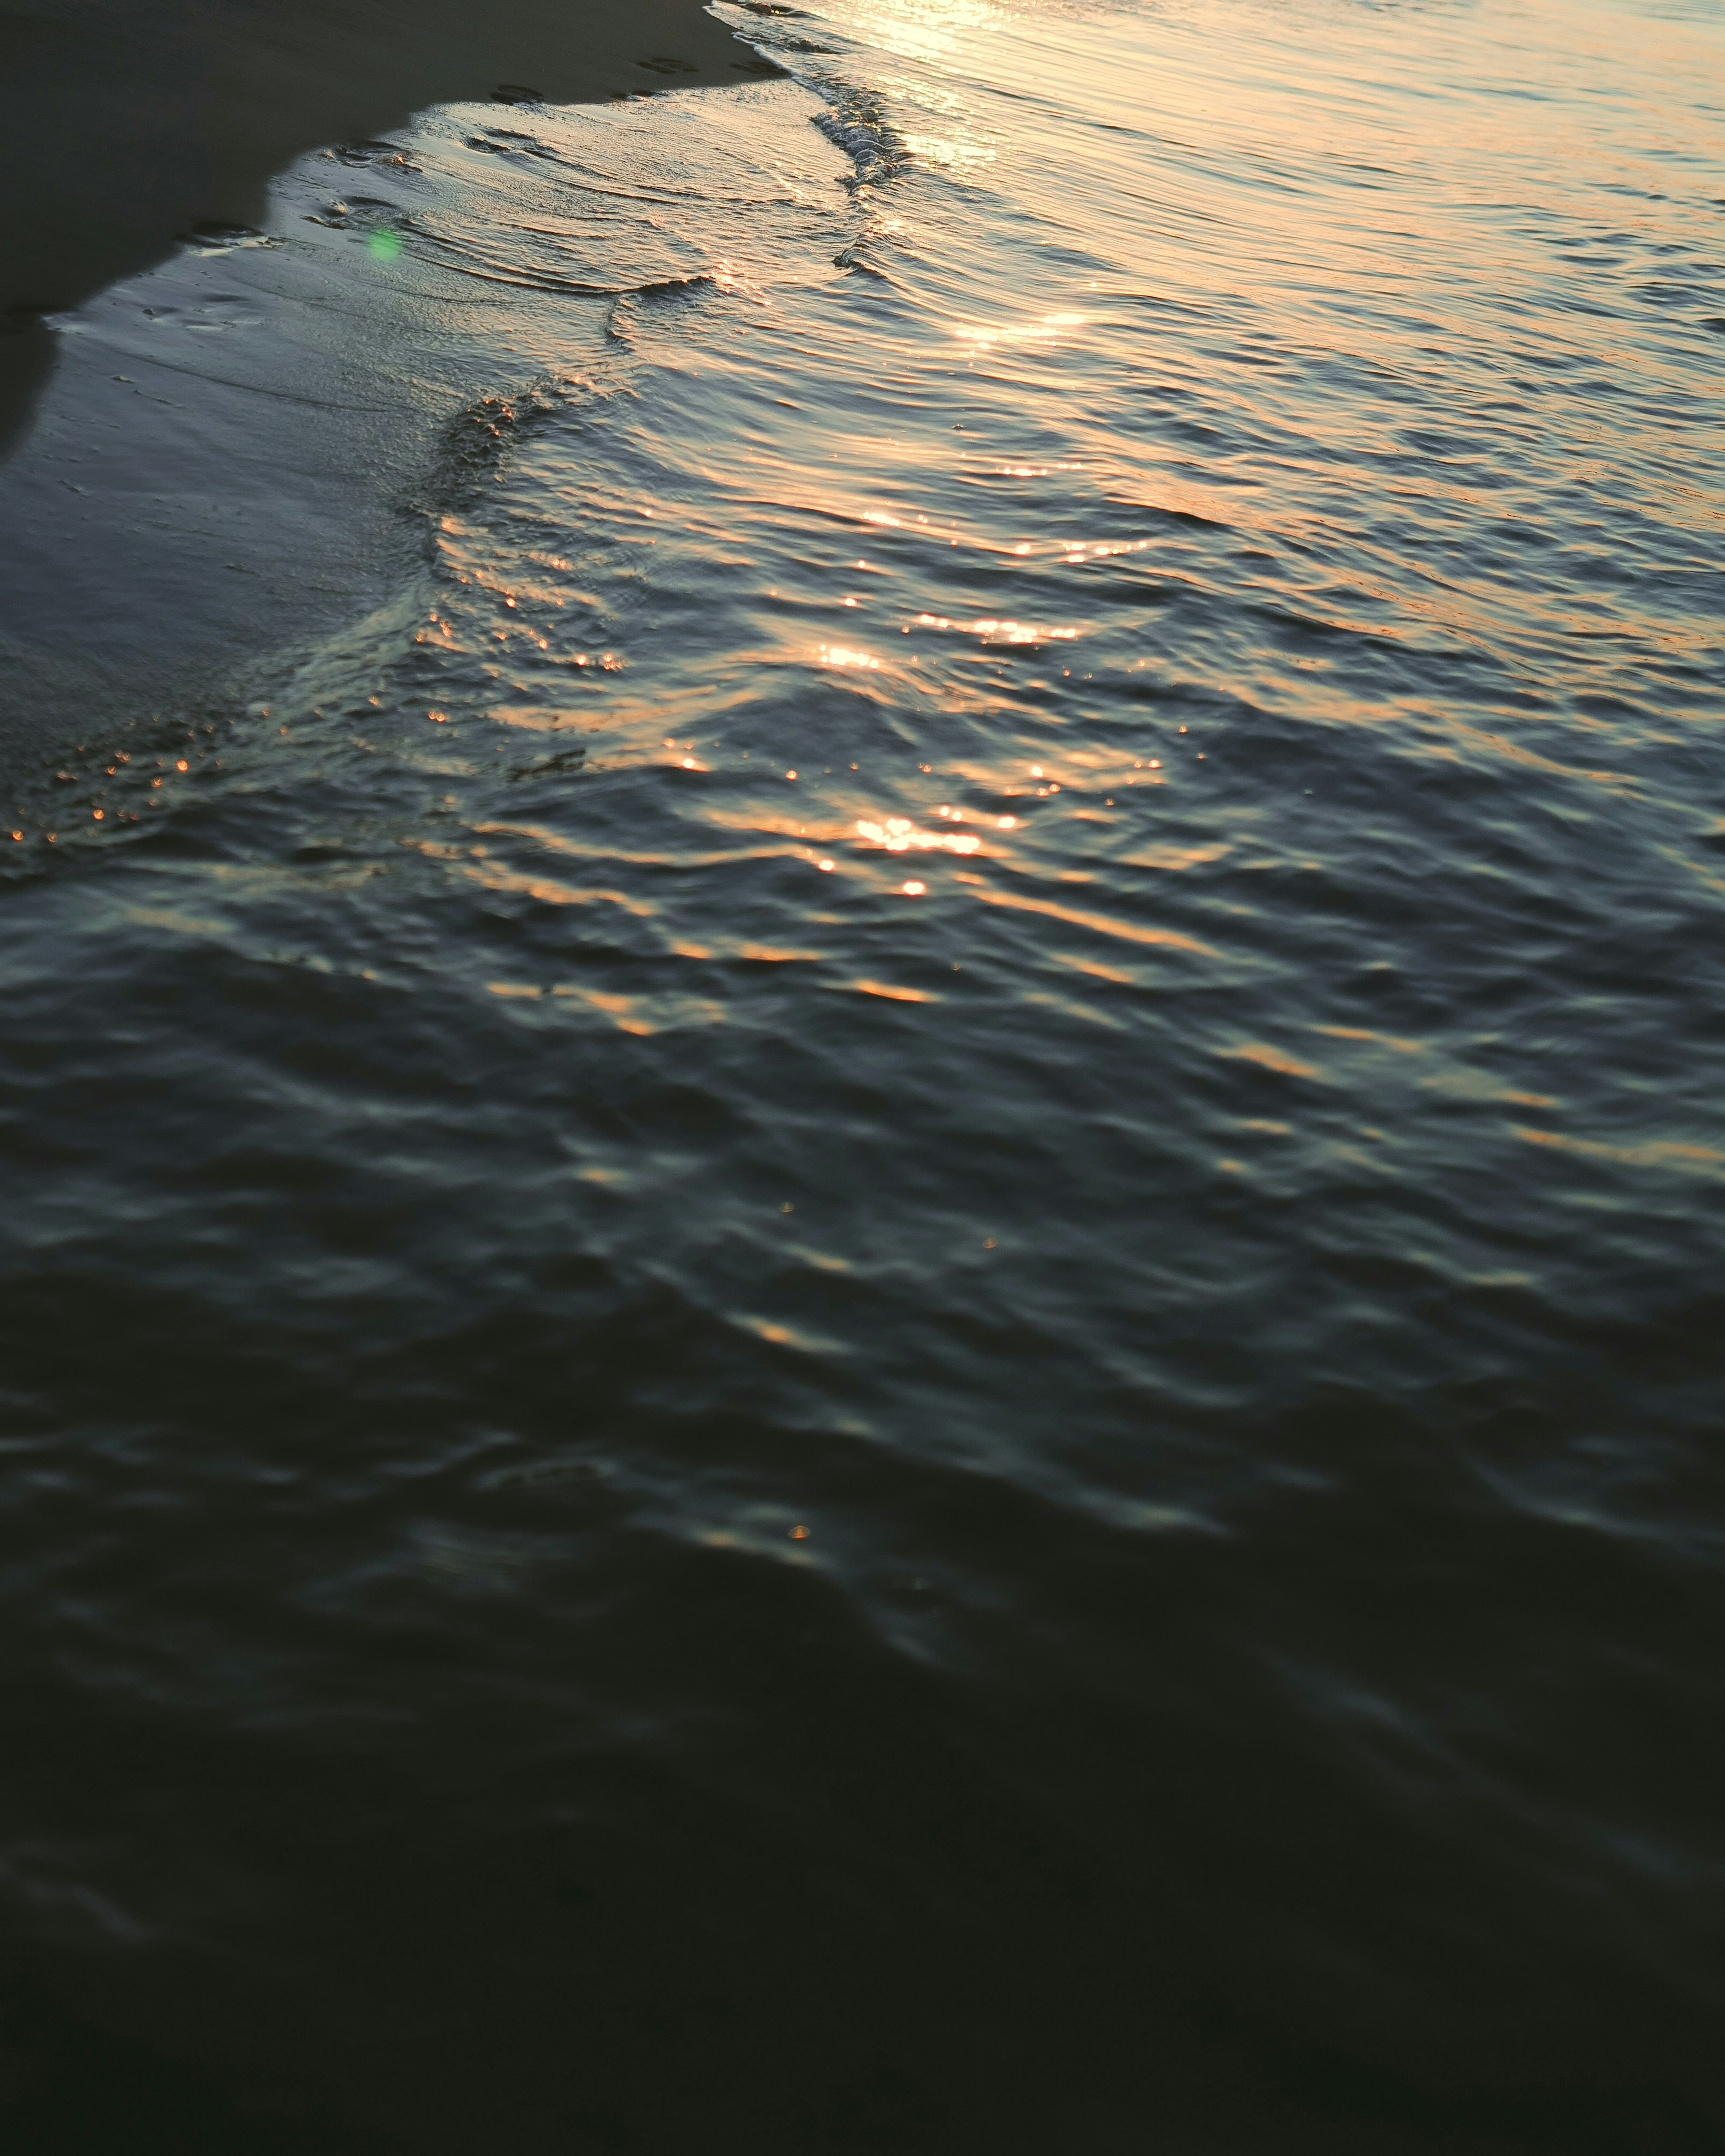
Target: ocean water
(864,1293)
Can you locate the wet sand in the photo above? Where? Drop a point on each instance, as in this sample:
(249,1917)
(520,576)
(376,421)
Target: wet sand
(207,448)
(121,127)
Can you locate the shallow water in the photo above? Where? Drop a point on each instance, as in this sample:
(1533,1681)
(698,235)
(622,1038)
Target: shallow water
(870,1299)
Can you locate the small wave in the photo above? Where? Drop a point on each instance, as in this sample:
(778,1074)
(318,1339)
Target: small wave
(858,123)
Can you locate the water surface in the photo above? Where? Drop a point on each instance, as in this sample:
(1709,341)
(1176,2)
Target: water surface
(867,1296)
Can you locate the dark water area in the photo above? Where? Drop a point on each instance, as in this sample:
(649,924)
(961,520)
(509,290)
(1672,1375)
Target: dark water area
(866,1294)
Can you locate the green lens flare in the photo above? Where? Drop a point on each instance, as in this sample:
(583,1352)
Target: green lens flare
(384,246)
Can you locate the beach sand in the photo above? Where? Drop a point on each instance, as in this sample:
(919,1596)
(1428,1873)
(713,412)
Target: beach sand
(122,125)
(158,524)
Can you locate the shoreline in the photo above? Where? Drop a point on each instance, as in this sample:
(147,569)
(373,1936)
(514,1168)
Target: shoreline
(205,448)
(124,135)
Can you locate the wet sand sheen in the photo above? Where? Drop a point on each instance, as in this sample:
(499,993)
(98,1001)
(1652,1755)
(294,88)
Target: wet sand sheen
(121,129)
(166,519)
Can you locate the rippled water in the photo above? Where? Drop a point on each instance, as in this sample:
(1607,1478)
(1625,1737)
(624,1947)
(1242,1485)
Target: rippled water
(871,1300)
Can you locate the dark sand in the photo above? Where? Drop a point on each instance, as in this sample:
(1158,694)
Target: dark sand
(166,521)
(123,125)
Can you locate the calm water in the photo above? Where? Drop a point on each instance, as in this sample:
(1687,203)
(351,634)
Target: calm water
(871,1299)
